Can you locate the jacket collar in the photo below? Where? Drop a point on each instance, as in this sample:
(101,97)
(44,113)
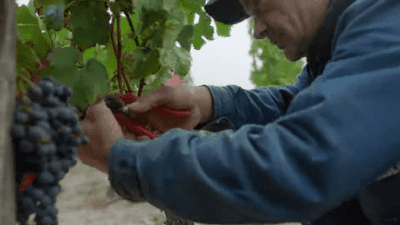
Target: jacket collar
(320,49)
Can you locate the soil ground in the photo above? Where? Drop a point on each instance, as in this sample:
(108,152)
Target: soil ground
(83,201)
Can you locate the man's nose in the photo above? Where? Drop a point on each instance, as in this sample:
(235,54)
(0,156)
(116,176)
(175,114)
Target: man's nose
(259,29)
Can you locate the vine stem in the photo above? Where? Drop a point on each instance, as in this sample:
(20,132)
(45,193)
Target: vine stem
(132,28)
(118,54)
(142,83)
(117,51)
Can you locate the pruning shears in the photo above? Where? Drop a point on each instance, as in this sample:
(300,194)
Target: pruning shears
(139,129)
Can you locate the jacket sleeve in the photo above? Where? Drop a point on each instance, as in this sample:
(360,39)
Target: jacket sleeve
(338,135)
(257,106)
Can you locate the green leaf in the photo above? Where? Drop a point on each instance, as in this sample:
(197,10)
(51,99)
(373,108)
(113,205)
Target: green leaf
(149,17)
(176,58)
(87,82)
(29,31)
(192,5)
(185,37)
(25,56)
(126,5)
(170,4)
(94,78)
(89,53)
(223,30)
(107,58)
(90,24)
(202,28)
(147,63)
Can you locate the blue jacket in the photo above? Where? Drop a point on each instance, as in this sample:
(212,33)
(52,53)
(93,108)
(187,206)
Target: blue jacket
(298,151)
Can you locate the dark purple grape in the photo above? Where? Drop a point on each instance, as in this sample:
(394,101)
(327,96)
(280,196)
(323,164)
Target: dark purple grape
(67,91)
(35,93)
(37,133)
(21,117)
(54,166)
(47,149)
(51,100)
(46,220)
(26,146)
(77,129)
(60,175)
(54,190)
(38,112)
(47,87)
(46,178)
(18,130)
(28,203)
(46,201)
(85,140)
(36,193)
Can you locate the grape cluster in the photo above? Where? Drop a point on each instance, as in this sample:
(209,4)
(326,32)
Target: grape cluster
(45,135)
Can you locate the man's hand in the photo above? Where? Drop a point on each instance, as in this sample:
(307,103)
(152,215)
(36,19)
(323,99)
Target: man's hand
(180,97)
(102,129)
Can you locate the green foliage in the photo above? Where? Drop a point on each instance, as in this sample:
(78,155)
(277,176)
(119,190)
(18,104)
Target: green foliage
(79,44)
(275,69)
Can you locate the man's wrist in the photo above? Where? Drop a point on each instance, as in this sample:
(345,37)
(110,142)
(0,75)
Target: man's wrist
(206,102)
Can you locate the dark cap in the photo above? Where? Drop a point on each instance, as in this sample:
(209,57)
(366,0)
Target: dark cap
(226,11)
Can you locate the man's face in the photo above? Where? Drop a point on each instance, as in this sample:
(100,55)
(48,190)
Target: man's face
(289,24)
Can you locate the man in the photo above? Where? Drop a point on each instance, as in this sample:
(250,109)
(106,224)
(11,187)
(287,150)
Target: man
(313,151)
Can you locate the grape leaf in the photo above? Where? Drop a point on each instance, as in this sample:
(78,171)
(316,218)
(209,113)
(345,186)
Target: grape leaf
(170,4)
(185,37)
(25,56)
(63,67)
(147,63)
(148,17)
(176,58)
(29,31)
(90,23)
(192,5)
(202,28)
(87,82)
(94,78)
(223,30)
(54,16)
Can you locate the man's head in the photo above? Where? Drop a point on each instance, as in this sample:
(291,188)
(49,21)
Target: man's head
(289,24)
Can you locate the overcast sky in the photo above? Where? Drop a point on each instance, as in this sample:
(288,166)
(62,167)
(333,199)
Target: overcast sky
(222,61)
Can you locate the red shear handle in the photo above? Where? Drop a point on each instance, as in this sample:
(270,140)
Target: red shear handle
(130,97)
(134,127)
(176,113)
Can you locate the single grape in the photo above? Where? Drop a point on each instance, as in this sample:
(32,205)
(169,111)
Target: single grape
(51,100)
(38,112)
(47,149)
(77,129)
(37,133)
(21,117)
(47,87)
(54,166)
(85,140)
(26,146)
(35,93)
(46,220)
(18,130)
(54,190)
(28,203)
(36,193)
(46,178)
(45,125)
